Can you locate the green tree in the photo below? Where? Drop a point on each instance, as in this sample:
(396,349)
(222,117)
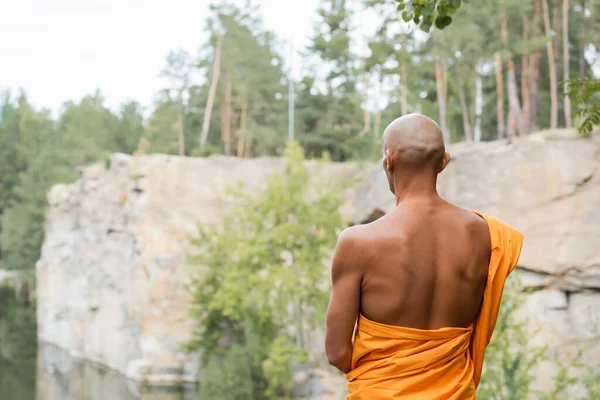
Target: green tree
(164,128)
(509,358)
(131,127)
(251,82)
(25,136)
(18,345)
(428,13)
(336,128)
(585,93)
(389,63)
(260,286)
(178,72)
(89,131)
(41,153)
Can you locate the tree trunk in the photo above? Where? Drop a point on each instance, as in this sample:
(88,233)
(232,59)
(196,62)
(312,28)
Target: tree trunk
(551,68)
(376,133)
(181,138)
(525,82)
(557,28)
(565,29)
(534,67)
(243,127)
(248,147)
(366,114)
(211,93)
(515,119)
(514,114)
(226,116)
(478,103)
(403,87)
(442,89)
(500,93)
(582,43)
(556,40)
(181,125)
(464,108)
(377,124)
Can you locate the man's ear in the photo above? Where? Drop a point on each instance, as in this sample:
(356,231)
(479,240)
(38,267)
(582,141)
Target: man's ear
(390,162)
(445,161)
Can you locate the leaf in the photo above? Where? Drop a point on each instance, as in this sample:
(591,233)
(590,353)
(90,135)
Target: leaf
(406,17)
(425,27)
(442,22)
(428,10)
(401,6)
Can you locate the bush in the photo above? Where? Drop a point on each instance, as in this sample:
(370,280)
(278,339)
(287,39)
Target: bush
(260,284)
(509,358)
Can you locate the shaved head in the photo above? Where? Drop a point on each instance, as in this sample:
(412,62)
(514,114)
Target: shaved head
(414,144)
(415,141)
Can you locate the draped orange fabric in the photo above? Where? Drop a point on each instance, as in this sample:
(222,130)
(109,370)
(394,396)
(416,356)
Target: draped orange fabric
(392,362)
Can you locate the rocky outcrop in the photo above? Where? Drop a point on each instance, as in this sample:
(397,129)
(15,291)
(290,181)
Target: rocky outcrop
(113,267)
(112,272)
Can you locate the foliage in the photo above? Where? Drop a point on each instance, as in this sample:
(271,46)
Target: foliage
(254,68)
(39,152)
(585,94)
(428,13)
(328,104)
(564,380)
(260,285)
(509,359)
(591,382)
(18,344)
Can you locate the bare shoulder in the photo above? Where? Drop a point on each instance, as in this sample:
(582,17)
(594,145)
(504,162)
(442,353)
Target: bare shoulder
(345,256)
(474,224)
(352,238)
(476,227)
(351,245)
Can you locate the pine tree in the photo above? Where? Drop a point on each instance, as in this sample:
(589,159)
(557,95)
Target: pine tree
(338,129)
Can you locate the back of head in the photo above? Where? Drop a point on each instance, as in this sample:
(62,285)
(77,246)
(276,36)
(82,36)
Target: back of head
(414,141)
(414,149)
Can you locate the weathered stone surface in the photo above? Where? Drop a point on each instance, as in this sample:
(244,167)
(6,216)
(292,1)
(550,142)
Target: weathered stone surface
(112,272)
(111,275)
(62,377)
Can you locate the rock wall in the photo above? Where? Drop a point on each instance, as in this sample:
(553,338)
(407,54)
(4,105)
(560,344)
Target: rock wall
(113,266)
(112,270)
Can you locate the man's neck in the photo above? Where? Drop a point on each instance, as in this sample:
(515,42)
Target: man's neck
(415,188)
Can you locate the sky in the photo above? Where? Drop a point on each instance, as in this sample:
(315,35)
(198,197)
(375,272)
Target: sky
(59,50)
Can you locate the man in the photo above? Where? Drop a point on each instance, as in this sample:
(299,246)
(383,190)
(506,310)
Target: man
(420,288)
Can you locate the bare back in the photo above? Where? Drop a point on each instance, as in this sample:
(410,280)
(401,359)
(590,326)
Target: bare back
(424,266)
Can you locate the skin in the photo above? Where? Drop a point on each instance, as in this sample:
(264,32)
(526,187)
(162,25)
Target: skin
(424,265)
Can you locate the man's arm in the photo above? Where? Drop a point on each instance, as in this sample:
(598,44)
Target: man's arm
(344,305)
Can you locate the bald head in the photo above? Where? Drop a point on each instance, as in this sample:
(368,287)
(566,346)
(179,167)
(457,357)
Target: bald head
(414,142)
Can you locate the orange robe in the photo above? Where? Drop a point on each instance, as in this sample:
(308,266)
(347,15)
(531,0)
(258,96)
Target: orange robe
(392,362)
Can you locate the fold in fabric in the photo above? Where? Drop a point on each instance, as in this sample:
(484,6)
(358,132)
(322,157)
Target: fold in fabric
(393,362)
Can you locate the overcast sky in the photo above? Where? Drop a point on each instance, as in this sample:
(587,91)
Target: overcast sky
(57,50)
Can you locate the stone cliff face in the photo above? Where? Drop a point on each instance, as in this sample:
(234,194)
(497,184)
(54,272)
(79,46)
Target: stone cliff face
(113,267)
(111,275)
